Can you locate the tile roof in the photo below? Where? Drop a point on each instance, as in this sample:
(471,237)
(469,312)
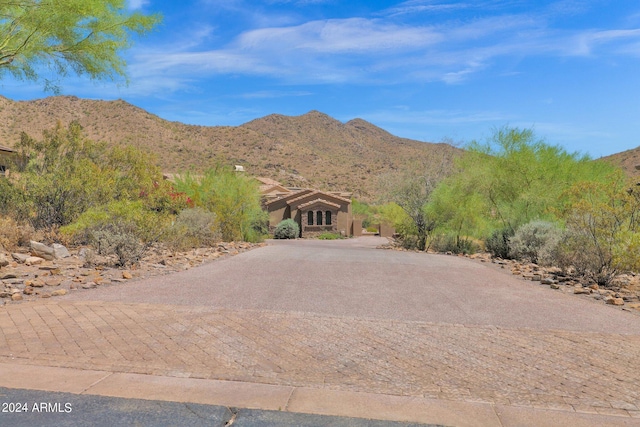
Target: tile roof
(322,201)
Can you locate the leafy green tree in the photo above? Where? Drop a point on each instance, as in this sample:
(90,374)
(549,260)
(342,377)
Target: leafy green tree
(510,180)
(85,36)
(65,174)
(413,191)
(233,197)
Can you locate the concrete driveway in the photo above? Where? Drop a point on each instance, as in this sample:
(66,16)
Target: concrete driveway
(340,328)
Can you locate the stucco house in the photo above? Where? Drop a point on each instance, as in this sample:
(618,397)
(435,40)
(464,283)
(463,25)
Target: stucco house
(5,159)
(315,211)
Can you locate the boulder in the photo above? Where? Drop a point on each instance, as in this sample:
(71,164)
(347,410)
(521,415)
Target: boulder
(59,251)
(614,301)
(34,260)
(35,283)
(56,251)
(53,281)
(3,260)
(20,258)
(41,250)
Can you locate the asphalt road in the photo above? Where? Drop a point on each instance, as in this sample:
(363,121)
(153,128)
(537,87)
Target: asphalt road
(47,409)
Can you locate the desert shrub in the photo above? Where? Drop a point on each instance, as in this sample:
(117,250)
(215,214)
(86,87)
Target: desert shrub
(498,243)
(454,244)
(123,228)
(577,253)
(118,238)
(409,242)
(330,236)
(193,228)
(603,229)
(537,242)
(287,229)
(258,229)
(14,235)
(8,197)
(9,233)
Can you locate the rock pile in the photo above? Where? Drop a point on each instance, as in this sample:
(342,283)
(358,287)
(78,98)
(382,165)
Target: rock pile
(50,271)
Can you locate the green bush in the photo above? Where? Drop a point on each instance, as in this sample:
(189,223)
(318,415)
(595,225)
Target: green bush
(8,197)
(330,236)
(498,243)
(287,229)
(65,174)
(537,242)
(118,238)
(149,225)
(124,228)
(454,244)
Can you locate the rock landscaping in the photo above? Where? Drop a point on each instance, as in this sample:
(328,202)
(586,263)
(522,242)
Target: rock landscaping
(623,292)
(43,271)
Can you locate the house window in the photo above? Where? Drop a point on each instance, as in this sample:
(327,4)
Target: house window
(319,218)
(327,217)
(310,218)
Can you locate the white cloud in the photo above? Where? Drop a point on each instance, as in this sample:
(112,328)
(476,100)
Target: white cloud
(587,42)
(137,4)
(361,50)
(420,6)
(353,35)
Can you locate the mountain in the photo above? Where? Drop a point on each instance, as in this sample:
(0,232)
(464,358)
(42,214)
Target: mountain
(311,150)
(628,160)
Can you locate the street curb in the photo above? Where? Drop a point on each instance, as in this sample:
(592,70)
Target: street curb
(295,399)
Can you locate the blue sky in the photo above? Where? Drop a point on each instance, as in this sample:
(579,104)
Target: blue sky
(430,70)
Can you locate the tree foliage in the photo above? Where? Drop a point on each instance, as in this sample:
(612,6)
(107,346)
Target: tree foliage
(509,181)
(412,192)
(603,228)
(85,36)
(233,198)
(64,174)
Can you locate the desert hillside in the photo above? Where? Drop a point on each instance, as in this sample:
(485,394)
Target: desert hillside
(628,160)
(312,150)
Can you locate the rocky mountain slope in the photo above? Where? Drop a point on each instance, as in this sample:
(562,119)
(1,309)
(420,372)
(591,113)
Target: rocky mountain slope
(311,150)
(628,160)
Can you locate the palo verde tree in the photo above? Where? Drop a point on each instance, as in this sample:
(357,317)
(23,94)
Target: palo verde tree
(510,180)
(412,191)
(83,36)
